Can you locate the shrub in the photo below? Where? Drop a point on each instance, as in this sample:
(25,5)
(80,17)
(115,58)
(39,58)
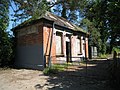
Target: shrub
(103,56)
(116,49)
(48,71)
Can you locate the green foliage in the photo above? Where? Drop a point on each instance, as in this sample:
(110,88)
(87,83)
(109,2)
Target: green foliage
(103,48)
(54,69)
(113,19)
(103,14)
(94,38)
(6,51)
(100,17)
(70,9)
(48,71)
(116,49)
(28,8)
(103,56)
(95,13)
(60,67)
(3,15)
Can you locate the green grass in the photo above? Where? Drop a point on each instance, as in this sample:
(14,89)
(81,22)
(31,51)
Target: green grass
(102,56)
(116,49)
(54,69)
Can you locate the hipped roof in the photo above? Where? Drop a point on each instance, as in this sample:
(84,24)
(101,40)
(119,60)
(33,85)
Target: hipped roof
(60,21)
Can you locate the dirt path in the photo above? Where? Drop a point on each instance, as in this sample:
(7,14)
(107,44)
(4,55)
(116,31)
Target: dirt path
(94,77)
(74,78)
(13,79)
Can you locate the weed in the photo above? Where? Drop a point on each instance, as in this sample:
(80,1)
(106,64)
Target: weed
(54,69)
(102,56)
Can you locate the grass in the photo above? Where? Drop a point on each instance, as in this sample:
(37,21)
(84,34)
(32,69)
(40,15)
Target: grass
(116,49)
(54,69)
(103,56)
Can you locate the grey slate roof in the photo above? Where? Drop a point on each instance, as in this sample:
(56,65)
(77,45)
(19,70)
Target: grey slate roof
(58,21)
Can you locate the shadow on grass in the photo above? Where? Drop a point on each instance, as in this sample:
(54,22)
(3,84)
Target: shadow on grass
(92,77)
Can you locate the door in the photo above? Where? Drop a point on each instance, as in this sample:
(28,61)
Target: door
(68,52)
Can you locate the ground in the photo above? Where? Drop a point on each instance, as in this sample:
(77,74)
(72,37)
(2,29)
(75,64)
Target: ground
(92,77)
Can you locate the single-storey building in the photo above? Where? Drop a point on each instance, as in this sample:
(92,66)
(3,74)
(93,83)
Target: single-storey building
(49,38)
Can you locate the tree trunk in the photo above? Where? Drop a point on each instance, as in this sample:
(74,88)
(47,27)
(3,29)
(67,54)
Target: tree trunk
(112,44)
(64,11)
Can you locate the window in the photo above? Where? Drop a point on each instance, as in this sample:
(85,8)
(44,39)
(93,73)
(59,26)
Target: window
(79,48)
(59,43)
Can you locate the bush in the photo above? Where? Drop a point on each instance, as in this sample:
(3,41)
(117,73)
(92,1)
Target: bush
(6,51)
(116,49)
(102,56)
(48,71)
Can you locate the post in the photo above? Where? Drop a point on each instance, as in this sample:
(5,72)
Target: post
(115,58)
(49,58)
(86,56)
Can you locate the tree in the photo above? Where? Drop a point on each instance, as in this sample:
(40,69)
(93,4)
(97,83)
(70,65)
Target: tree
(113,12)
(100,16)
(96,13)
(70,9)
(5,42)
(104,14)
(94,37)
(25,9)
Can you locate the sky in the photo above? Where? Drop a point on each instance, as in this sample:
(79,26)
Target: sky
(10,17)
(11,23)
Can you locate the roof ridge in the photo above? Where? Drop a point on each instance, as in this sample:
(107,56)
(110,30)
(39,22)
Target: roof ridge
(62,18)
(56,19)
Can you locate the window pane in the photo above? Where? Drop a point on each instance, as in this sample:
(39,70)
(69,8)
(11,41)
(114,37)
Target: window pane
(78,46)
(58,44)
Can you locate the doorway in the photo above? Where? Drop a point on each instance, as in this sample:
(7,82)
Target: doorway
(68,52)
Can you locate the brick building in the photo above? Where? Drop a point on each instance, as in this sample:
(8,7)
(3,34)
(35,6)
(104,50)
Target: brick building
(49,38)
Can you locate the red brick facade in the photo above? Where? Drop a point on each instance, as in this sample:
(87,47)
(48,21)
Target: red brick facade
(47,32)
(46,36)
(43,36)
(30,39)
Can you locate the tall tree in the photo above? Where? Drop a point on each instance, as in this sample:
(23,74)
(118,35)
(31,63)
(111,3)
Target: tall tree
(96,13)
(5,44)
(103,15)
(24,9)
(113,12)
(94,37)
(70,9)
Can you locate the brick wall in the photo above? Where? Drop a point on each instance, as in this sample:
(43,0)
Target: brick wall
(47,33)
(30,38)
(42,36)
(29,49)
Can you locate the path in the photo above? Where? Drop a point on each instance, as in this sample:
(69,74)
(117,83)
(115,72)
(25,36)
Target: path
(77,78)
(74,78)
